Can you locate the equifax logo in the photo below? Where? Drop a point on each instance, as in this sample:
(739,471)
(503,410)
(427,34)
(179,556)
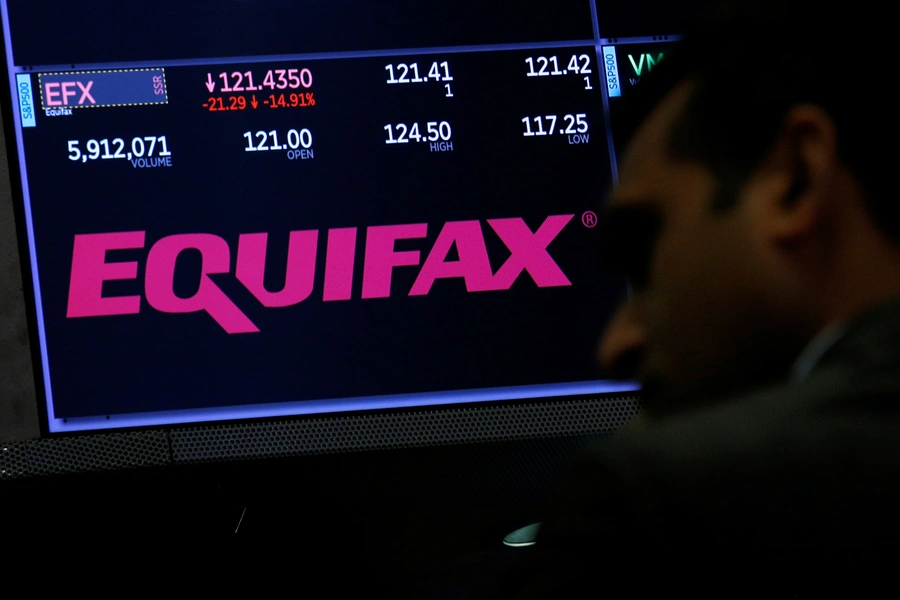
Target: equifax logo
(90,267)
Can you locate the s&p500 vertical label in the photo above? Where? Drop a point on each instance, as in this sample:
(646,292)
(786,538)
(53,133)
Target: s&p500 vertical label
(26,100)
(611,66)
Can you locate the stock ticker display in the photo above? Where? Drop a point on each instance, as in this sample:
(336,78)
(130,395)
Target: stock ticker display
(253,209)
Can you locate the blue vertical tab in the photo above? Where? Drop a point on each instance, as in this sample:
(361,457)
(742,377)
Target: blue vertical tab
(611,67)
(26,100)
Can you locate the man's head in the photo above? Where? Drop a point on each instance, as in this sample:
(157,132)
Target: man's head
(753,206)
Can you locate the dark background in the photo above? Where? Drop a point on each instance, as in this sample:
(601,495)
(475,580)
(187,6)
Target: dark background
(643,19)
(422,524)
(169,29)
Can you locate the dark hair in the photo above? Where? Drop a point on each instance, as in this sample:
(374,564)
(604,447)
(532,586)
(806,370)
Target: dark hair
(751,61)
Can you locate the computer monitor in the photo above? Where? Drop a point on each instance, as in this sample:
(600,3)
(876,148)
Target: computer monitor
(260,228)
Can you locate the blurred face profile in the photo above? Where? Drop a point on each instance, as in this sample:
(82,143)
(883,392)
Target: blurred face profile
(699,323)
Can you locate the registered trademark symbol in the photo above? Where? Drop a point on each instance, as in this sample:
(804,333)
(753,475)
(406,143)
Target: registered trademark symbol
(589,219)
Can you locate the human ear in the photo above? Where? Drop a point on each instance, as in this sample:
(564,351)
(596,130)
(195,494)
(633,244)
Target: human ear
(791,191)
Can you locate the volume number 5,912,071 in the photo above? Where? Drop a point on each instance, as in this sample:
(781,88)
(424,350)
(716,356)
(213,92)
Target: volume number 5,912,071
(105,149)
